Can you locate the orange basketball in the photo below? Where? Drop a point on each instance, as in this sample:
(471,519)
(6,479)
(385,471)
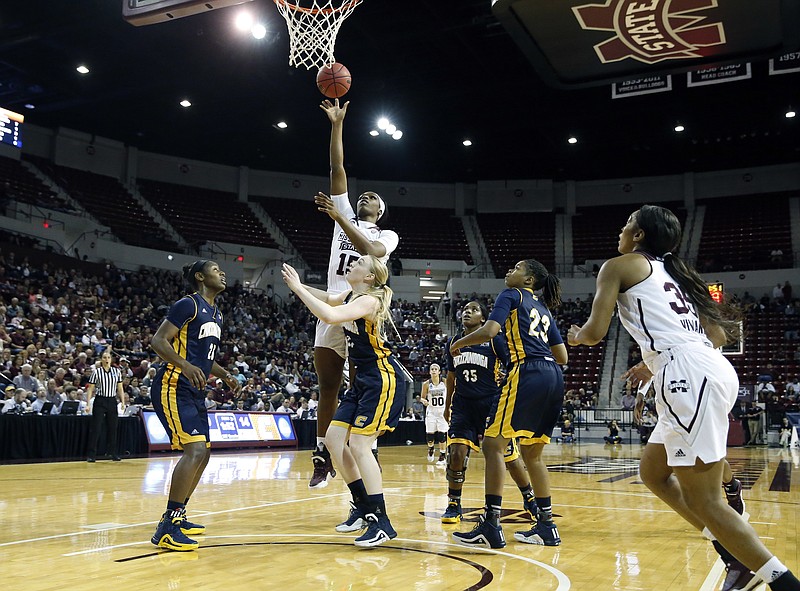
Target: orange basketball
(333,80)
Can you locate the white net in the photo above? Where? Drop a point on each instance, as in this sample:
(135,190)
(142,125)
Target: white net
(313,29)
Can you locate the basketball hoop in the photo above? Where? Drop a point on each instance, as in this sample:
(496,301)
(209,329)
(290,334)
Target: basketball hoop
(313,29)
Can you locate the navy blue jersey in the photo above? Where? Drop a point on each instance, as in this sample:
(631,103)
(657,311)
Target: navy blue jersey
(200,327)
(365,343)
(527,324)
(477,367)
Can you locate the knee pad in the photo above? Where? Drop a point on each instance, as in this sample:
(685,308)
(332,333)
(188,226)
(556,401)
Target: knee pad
(441,437)
(430,438)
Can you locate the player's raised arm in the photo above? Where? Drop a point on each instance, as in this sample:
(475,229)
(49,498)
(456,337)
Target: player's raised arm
(336,116)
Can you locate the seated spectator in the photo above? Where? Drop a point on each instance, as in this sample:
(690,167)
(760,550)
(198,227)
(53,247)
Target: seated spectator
(77,394)
(649,421)
(26,381)
(628,400)
(18,403)
(567,432)
(41,398)
(418,408)
(785,433)
(613,433)
(210,403)
(284,407)
(304,412)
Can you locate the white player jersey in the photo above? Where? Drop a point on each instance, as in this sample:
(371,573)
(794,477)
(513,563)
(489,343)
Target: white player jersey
(658,315)
(342,250)
(436,397)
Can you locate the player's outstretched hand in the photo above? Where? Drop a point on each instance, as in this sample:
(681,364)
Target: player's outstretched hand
(637,375)
(333,110)
(572,335)
(290,276)
(325,205)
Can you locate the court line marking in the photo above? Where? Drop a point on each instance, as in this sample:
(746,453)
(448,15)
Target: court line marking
(94,531)
(564,584)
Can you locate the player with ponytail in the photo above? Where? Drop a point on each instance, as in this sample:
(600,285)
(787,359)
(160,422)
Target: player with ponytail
(377,395)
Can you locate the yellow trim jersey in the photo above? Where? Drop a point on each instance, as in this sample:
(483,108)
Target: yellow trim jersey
(527,324)
(198,338)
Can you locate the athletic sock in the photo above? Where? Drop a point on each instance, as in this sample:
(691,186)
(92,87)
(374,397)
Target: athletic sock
(771,571)
(454,495)
(527,492)
(377,504)
(359,491)
(174,509)
(320,443)
(545,505)
(493,505)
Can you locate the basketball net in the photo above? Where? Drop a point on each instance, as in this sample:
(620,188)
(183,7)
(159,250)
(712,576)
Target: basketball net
(313,29)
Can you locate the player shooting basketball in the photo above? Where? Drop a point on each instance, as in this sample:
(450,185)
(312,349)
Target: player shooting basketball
(353,235)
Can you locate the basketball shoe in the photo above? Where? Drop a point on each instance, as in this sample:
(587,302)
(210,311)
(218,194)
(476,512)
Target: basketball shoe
(734,496)
(544,533)
(355,521)
(453,512)
(169,535)
(483,535)
(189,528)
(739,578)
(530,507)
(323,468)
(430,454)
(442,461)
(379,530)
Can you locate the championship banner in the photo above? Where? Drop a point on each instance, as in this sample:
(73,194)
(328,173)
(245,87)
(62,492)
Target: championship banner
(230,429)
(788,63)
(639,86)
(719,75)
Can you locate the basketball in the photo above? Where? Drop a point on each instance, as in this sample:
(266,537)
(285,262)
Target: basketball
(333,80)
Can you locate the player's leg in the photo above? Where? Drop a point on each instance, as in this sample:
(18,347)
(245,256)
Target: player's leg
(733,488)
(441,439)
(457,460)
(519,474)
(379,528)
(488,532)
(430,437)
(98,414)
(699,485)
(329,365)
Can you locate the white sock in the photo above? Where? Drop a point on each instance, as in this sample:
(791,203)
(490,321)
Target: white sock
(320,443)
(375,444)
(707,533)
(771,570)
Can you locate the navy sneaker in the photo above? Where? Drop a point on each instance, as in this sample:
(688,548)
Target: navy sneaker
(355,521)
(323,468)
(544,533)
(453,513)
(531,508)
(379,530)
(169,535)
(189,528)
(483,535)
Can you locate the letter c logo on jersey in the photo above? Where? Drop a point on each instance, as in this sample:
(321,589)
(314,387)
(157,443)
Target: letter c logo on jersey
(360,421)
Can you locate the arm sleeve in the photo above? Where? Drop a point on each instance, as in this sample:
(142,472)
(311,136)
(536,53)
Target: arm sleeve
(390,240)
(508,299)
(342,203)
(182,311)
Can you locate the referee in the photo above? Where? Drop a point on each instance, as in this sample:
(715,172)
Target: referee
(105,387)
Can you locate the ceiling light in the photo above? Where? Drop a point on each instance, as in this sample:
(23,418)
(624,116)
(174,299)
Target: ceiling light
(185,103)
(431,298)
(679,128)
(374,133)
(437,292)
(244,21)
(790,114)
(467,143)
(397,135)
(258,31)
(29,106)
(573,140)
(282,124)
(82,69)
(170,257)
(383,123)
(390,129)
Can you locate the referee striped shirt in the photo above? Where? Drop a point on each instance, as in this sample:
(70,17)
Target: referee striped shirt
(105,382)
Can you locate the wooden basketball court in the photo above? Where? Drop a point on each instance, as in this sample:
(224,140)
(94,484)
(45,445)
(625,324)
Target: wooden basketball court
(74,525)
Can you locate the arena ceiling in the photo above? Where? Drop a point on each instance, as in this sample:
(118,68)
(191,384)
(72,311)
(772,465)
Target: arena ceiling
(442,71)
